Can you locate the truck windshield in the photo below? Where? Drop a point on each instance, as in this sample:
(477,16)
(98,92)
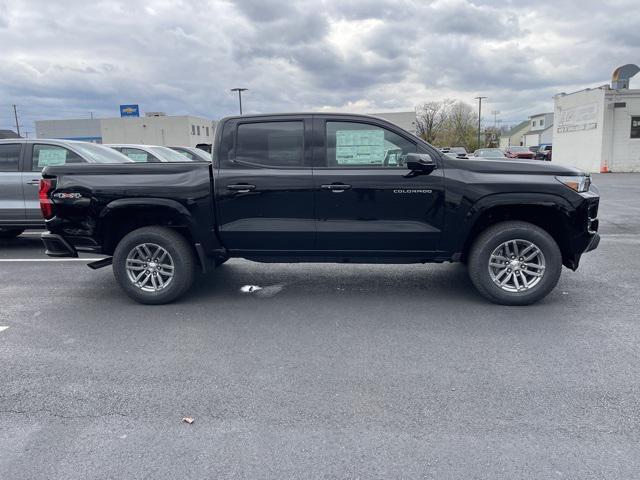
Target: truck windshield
(99,154)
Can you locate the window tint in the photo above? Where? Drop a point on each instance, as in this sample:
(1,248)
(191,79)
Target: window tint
(138,155)
(9,157)
(45,155)
(273,144)
(363,145)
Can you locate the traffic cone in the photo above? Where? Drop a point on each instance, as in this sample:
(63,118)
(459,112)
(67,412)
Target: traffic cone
(604,168)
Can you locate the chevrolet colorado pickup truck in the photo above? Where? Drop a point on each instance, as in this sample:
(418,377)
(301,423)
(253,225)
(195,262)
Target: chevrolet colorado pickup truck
(323,188)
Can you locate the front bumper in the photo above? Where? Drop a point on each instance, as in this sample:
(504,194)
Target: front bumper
(593,244)
(56,246)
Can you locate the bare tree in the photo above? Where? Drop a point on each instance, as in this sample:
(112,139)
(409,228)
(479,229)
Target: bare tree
(432,118)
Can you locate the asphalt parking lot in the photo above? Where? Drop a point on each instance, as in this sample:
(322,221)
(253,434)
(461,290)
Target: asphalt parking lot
(328,371)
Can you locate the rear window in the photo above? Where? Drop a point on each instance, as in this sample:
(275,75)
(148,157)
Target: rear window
(272,144)
(9,157)
(48,155)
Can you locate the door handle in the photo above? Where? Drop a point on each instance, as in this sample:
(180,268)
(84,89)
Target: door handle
(35,181)
(336,187)
(241,188)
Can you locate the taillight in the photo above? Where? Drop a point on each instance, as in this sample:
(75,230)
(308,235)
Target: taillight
(46,206)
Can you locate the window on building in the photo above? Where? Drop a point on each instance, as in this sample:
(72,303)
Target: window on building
(272,144)
(207,131)
(9,157)
(635,127)
(193,129)
(45,155)
(533,124)
(198,129)
(364,145)
(542,122)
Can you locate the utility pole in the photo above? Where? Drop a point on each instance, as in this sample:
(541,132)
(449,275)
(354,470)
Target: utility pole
(495,114)
(239,90)
(15,114)
(479,98)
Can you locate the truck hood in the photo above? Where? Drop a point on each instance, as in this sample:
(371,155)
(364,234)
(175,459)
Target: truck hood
(516,166)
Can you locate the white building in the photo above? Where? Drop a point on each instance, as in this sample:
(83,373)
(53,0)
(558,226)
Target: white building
(598,129)
(514,136)
(153,129)
(540,130)
(406,120)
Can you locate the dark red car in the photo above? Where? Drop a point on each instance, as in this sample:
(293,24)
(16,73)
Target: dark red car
(518,152)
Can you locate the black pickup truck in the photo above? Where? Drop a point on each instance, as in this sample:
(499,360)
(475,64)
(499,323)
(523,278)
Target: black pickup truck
(323,188)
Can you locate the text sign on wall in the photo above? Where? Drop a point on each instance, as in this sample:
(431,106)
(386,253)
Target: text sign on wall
(575,119)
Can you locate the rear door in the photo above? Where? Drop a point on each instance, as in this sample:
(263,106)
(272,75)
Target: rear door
(11,197)
(264,185)
(367,200)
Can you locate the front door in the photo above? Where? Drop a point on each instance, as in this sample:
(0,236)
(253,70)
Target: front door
(11,197)
(264,190)
(367,200)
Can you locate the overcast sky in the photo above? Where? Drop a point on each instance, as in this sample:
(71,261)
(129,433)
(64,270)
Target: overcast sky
(66,58)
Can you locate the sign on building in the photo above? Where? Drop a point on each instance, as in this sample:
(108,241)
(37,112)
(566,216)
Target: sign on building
(575,119)
(129,111)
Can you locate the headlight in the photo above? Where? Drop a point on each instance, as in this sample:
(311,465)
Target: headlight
(579,183)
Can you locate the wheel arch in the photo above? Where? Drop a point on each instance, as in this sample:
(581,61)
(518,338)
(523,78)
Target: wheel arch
(552,213)
(122,216)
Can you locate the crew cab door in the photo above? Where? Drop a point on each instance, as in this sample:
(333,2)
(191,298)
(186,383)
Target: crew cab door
(11,197)
(263,187)
(367,200)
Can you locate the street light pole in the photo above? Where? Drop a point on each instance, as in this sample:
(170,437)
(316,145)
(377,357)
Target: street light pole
(479,116)
(239,90)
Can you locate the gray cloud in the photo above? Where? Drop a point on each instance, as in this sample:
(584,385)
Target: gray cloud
(361,55)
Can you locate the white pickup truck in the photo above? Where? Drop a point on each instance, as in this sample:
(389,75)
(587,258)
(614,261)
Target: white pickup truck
(21,161)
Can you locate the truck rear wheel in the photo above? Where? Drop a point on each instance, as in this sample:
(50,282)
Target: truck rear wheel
(154,265)
(515,263)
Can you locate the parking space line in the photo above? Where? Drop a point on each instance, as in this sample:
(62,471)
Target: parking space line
(7,260)
(3,328)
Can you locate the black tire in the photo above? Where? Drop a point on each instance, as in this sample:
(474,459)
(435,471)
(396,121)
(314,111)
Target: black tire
(495,236)
(180,255)
(10,232)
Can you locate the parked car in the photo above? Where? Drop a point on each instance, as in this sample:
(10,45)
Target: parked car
(21,161)
(303,188)
(515,151)
(148,153)
(494,153)
(193,154)
(458,150)
(544,152)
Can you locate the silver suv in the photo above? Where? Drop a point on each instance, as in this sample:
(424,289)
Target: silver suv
(21,161)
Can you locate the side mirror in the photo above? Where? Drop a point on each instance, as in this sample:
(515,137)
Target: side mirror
(420,162)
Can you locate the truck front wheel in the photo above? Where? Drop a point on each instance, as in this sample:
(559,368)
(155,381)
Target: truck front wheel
(515,263)
(154,265)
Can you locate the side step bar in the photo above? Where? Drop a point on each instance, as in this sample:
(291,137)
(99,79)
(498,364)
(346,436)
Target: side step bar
(103,262)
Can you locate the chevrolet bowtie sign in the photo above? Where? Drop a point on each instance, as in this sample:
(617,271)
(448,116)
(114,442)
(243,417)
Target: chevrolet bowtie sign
(129,111)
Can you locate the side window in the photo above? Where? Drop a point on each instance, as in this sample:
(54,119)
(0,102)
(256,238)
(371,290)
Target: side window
(272,144)
(45,155)
(351,144)
(138,155)
(9,157)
